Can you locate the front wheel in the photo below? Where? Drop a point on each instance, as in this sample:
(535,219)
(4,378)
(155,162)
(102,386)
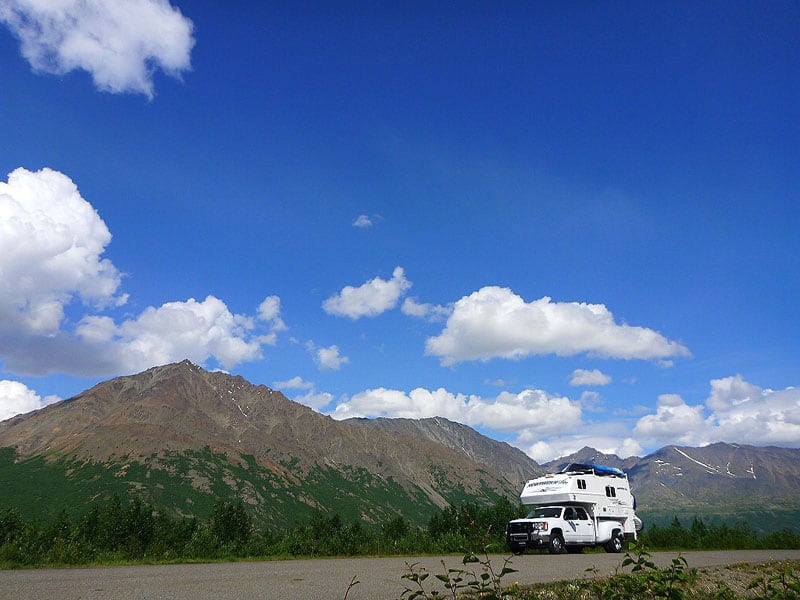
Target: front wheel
(615,544)
(556,544)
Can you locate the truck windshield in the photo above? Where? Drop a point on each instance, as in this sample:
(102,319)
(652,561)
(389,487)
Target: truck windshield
(544,512)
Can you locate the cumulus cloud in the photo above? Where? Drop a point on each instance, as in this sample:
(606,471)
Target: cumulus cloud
(543,451)
(494,322)
(174,331)
(547,426)
(370,299)
(528,413)
(51,256)
(312,398)
(17,398)
(735,412)
(51,247)
(729,392)
(330,358)
(269,311)
(295,383)
(585,377)
(674,422)
(429,312)
(120,44)
(315,400)
(748,414)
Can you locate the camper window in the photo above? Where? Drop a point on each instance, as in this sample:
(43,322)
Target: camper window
(611,492)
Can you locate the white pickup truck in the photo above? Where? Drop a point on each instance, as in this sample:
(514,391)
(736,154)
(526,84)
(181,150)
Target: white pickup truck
(584,505)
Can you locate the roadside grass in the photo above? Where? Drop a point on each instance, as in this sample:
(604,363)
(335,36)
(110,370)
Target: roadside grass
(772,580)
(636,578)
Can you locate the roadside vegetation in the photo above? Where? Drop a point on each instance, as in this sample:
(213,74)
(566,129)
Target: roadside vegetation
(636,578)
(132,531)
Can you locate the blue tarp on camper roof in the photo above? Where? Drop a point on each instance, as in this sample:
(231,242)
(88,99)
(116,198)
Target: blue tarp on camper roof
(598,469)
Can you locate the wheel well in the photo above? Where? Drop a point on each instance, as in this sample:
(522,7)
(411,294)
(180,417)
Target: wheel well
(557,531)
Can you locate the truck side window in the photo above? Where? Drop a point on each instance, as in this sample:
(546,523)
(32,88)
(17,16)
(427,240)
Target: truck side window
(581,514)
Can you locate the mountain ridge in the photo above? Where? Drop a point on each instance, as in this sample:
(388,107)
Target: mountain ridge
(155,417)
(204,436)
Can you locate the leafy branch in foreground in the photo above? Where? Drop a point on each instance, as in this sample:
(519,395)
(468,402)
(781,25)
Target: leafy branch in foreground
(782,584)
(485,582)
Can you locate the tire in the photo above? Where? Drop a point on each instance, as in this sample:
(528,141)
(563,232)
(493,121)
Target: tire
(518,550)
(615,544)
(556,544)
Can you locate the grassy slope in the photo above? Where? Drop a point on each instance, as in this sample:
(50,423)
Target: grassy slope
(189,484)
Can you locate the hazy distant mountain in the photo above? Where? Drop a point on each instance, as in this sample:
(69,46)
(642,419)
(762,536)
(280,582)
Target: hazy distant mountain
(218,435)
(724,480)
(590,456)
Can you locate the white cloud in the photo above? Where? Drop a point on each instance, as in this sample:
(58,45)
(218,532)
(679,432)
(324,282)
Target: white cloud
(592,401)
(174,331)
(119,43)
(494,322)
(675,422)
(295,383)
(738,412)
(532,412)
(544,451)
(730,392)
(330,358)
(548,426)
(498,382)
(586,377)
(269,311)
(51,247)
(362,222)
(430,312)
(315,400)
(747,414)
(17,398)
(418,404)
(370,299)
(312,398)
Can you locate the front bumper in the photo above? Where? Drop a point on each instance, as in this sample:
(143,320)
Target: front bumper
(527,540)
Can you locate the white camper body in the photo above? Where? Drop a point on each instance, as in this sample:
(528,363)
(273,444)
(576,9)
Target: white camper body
(590,505)
(604,492)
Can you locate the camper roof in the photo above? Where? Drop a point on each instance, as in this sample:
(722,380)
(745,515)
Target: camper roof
(590,468)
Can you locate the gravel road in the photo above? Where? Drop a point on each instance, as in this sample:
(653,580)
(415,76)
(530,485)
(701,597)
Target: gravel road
(308,579)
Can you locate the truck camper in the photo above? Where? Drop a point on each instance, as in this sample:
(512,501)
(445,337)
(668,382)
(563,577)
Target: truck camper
(583,505)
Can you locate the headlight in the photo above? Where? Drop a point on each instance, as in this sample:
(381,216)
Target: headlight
(540,525)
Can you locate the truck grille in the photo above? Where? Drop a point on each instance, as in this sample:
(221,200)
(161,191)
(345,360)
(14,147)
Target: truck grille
(519,528)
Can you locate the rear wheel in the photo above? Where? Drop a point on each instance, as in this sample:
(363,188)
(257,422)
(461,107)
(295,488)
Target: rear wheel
(615,544)
(556,544)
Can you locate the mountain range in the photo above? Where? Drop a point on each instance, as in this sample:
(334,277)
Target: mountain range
(182,438)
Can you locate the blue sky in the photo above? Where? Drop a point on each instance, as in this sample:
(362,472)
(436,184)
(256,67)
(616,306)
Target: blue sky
(562,224)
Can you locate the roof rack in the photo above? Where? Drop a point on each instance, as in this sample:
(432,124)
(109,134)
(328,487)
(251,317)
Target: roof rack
(587,468)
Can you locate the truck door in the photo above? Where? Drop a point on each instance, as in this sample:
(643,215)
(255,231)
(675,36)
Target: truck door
(584,526)
(574,530)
